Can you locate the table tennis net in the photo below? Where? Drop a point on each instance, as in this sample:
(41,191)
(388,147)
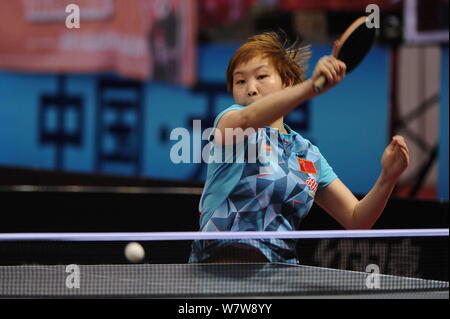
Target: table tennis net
(367,264)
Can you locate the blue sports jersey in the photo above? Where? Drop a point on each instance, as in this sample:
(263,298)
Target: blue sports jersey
(273,191)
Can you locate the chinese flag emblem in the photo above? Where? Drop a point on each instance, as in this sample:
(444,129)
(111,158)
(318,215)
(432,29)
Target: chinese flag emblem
(306,166)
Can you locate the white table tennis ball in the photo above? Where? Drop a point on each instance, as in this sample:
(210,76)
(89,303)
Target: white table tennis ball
(134,252)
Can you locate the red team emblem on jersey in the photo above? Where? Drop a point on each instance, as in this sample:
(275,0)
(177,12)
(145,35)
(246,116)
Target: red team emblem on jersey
(306,166)
(312,183)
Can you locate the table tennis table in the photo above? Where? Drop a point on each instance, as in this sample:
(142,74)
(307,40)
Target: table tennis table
(265,280)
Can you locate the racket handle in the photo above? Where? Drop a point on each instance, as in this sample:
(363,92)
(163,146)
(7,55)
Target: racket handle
(319,83)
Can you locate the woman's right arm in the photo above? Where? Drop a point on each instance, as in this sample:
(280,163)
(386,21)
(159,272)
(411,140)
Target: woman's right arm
(269,108)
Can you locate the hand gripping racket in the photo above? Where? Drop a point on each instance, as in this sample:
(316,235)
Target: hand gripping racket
(351,48)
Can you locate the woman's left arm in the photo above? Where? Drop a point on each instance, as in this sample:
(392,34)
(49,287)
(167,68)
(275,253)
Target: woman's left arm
(351,213)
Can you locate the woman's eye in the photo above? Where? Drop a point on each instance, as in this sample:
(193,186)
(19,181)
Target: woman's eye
(260,77)
(240,82)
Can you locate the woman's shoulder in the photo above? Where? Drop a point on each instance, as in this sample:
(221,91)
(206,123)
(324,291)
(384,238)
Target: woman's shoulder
(234,107)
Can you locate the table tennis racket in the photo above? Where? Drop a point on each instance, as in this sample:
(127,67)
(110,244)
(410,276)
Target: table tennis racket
(351,48)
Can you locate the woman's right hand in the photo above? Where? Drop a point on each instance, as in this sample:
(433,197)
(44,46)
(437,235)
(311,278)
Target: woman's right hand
(333,70)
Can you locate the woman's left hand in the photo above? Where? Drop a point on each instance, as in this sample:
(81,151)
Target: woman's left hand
(395,158)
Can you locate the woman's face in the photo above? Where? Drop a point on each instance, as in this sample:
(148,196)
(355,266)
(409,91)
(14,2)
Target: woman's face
(255,79)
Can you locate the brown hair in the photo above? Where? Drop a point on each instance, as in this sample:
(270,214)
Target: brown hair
(289,61)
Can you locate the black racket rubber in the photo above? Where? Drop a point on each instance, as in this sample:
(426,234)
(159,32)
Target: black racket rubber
(356,47)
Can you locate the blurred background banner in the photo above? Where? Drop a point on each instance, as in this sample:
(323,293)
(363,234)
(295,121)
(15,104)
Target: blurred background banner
(113,35)
(104,99)
(223,12)
(351,5)
(172,40)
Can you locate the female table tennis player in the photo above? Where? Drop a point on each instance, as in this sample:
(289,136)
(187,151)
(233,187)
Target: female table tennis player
(267,81)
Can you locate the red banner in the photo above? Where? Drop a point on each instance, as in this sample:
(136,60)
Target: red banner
(215,13)
(173,38)
(337,5)
(120,35)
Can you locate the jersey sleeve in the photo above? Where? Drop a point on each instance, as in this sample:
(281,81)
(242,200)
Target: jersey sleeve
(327,174)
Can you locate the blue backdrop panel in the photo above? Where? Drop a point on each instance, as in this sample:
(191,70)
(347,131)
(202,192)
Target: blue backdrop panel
(18,119)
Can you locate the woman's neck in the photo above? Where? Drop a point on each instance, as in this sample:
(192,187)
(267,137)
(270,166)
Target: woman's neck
(278,124)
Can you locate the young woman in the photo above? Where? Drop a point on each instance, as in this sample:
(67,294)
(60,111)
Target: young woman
(267,82)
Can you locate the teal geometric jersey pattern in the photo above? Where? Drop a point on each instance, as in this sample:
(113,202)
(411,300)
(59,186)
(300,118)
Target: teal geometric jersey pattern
(267,182)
